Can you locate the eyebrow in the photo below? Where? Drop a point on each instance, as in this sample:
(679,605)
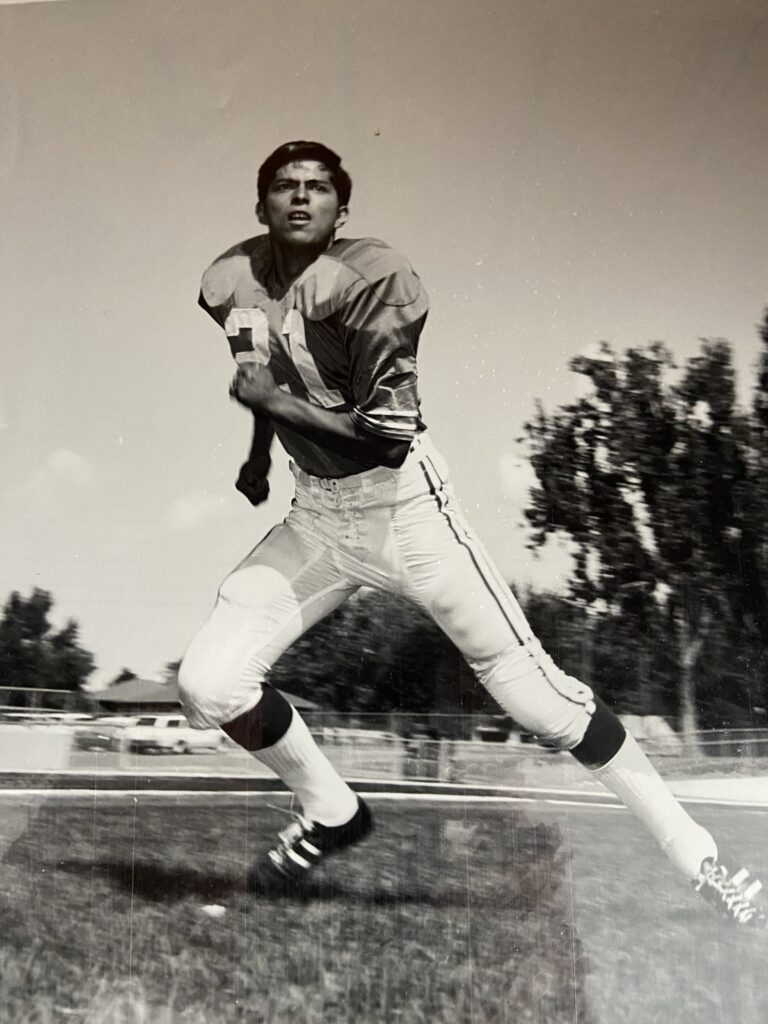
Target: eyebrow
(307,181)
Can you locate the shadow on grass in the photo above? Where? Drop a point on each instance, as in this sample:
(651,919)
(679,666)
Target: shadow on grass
(491,863)
(162,885)
(155,882)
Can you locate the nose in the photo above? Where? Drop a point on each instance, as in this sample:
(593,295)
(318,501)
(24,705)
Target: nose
(300,194)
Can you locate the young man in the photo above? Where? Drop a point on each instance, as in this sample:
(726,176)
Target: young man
(325,334)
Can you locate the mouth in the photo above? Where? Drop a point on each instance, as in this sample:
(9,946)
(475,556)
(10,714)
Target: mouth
(299,217)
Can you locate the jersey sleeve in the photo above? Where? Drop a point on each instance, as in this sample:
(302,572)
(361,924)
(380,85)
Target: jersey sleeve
(217,286)
(229,271)
(382,322)
(217,313)
(215,297)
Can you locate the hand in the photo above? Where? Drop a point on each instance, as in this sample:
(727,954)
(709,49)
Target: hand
(254,486)
(253,386)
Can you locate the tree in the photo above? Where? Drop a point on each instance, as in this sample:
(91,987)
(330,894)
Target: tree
(377,653)
(123,676)
(23,627)
(35,655)
(69,664)
(171,671)
(653,481)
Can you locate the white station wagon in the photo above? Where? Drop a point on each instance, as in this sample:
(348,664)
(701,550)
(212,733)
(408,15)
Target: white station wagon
(171,734)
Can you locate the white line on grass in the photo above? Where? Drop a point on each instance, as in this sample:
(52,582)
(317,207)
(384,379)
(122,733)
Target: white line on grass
(359,784)
(543,798)
(104,794)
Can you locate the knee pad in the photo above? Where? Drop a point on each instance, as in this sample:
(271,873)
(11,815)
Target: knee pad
(219,678)
(209,699)
(540,697)
(229,657)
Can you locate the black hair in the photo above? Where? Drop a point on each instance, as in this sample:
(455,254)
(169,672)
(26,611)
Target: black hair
(303,150)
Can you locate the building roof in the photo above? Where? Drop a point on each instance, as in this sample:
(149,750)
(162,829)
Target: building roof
(136,692)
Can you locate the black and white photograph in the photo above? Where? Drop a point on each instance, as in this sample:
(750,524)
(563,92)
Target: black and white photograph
(384,512)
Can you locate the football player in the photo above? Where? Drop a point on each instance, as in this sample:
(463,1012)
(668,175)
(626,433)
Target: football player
(325,335)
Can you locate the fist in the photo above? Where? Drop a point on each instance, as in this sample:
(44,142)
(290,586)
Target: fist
(253,386)
(252,485)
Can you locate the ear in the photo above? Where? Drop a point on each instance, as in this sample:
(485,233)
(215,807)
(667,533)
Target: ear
(260,213)
(341,218)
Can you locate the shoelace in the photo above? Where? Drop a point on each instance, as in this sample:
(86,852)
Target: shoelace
(299,824)
(736,899)
(296,830)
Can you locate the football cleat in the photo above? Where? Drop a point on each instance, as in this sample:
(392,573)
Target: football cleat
(303,845)
(731,895)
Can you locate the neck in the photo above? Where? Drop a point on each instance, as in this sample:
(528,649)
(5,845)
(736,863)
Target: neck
(290,263)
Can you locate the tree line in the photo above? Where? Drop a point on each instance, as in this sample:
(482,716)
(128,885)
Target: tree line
(657,480)
(35,655)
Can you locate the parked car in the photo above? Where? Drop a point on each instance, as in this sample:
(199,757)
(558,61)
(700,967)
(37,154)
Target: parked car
(104,733)
(494,729)
(171,734)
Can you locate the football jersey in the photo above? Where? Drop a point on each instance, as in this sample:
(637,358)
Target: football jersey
(344,336)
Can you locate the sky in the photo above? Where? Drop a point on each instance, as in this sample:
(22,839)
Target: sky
(558,173)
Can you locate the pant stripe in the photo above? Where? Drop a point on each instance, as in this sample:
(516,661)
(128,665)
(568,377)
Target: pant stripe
(501,593)
(504,593)
(487,569)
(466,543)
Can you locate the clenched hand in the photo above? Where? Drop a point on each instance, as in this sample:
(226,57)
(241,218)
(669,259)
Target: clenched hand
(254,387)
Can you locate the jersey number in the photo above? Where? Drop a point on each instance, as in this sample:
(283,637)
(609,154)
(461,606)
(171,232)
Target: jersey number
(303,360)
(247,331)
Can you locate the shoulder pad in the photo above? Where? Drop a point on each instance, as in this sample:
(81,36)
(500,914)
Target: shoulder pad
(389,274)
(240,263)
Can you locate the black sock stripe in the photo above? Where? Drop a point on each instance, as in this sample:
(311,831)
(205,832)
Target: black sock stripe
(264,724)
(603,738)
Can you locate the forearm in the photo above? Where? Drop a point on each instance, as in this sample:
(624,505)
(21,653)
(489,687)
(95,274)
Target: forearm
(261,441)
(335,429)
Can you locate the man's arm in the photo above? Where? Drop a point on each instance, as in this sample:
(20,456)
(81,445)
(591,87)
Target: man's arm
(380,318)
(254,387)
(252,479)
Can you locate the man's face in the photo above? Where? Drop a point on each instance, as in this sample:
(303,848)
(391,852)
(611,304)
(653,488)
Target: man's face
(301,206)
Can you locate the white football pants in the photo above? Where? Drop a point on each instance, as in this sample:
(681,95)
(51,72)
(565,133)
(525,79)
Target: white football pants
(398,530)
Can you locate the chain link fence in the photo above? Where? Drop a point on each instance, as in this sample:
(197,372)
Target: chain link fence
(455,748)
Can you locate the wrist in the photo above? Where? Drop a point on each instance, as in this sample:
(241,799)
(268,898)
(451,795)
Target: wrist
(275,403)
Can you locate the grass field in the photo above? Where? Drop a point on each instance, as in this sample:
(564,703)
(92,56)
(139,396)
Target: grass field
(451,913)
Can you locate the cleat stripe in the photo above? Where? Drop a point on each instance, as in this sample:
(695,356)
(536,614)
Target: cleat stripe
(299,860)
(277,863)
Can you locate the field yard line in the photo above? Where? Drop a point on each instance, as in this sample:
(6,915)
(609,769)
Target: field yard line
(360,784)
(103,794)
(544,797)
(132,773)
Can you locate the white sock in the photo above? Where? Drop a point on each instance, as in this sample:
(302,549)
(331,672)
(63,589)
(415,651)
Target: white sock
(296,758)
(634,780)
